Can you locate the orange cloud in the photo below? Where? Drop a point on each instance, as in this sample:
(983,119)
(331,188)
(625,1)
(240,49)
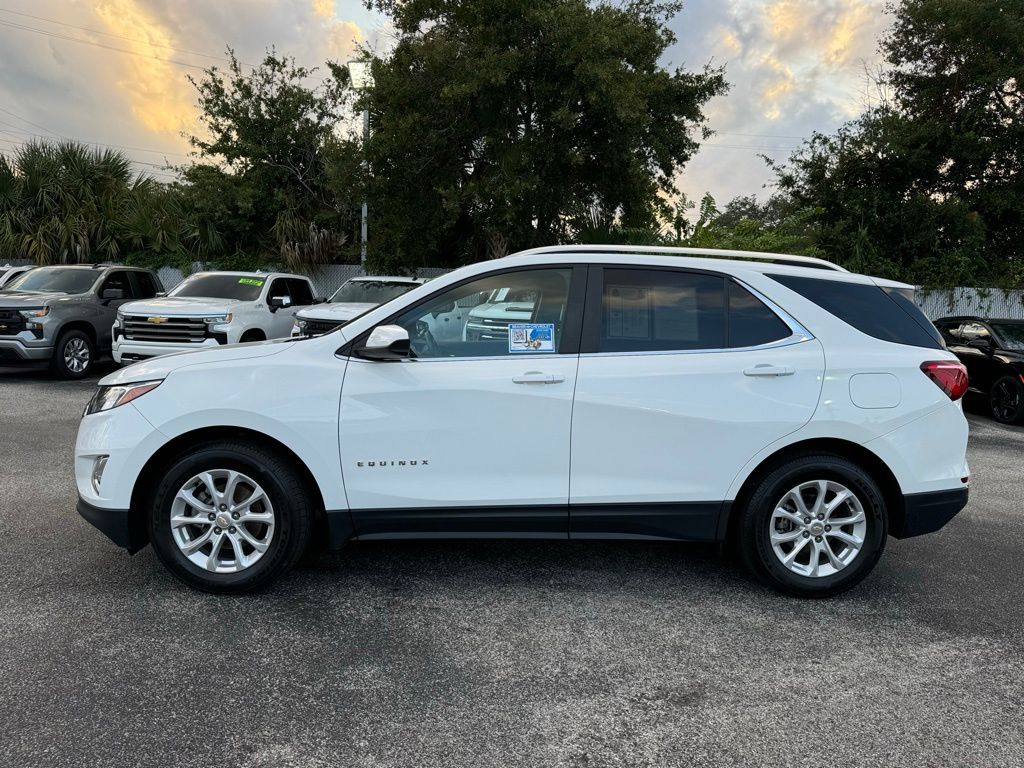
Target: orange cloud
(323,8)
(158,95)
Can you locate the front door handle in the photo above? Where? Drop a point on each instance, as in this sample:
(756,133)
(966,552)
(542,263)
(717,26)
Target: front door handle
(536,377)
(769,371)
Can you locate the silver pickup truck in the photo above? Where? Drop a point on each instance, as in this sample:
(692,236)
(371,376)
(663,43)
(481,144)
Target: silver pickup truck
(63,314)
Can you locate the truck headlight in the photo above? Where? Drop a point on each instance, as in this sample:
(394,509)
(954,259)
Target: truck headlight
(218,319)
(302,324)
(31,314)
(110,397)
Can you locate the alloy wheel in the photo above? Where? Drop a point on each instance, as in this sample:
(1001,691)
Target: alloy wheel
(76,355)
(818,528)
(222,521)
(1005,400)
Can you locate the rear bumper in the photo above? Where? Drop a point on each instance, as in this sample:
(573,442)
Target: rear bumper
(117,524)
(15,349)
(928,512)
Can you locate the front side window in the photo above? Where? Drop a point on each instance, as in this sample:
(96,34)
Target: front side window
(513,313)
(220,286)
(117,281)
(301,292)
(54,280)
(646,310)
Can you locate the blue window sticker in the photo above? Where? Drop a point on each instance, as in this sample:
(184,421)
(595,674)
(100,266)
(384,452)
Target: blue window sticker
(531,337)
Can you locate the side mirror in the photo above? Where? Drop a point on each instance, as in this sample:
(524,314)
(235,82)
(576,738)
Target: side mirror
(161,294)
(386,342)
(279,302)
(111,294)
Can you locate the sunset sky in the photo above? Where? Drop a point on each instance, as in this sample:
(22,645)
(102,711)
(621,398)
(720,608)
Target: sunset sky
(113,71)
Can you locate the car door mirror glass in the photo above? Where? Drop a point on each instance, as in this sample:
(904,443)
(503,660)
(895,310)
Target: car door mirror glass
(386,342)
(111,294)
(279,302)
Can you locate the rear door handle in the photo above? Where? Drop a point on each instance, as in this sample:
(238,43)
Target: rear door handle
(536,377)
(769,371)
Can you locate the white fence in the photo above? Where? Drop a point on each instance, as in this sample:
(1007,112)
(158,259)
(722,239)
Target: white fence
(984,302)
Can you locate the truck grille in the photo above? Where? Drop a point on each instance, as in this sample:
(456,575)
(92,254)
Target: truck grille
(11,322)
(488,328)
(172,330)
(317,327)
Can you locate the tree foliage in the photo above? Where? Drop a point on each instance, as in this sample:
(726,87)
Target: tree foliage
(927,186)
(67,202)
(279,182)
(496,123)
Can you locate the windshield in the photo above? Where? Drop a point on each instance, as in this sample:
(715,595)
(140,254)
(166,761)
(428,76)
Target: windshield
(370,291)
(1012,335)
(221,286)
(54,280)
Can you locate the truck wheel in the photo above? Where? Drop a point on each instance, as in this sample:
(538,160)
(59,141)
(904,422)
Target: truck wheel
(814,527)
(230,517)
(73,355)
(1006,400)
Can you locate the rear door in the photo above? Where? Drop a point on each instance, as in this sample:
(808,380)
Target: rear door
(684,376)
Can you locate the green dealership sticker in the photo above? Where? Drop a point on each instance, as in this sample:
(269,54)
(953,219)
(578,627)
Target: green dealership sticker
(249,281)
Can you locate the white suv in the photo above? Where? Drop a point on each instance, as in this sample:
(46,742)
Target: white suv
(352,299)
(210,309)
(779,405)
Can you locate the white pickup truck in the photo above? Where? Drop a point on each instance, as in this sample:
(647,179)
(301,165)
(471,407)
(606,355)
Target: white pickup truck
(209,309)
(356,296)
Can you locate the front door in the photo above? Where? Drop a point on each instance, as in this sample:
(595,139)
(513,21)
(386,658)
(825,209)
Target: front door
(282,318)
(471,435)
(683,378)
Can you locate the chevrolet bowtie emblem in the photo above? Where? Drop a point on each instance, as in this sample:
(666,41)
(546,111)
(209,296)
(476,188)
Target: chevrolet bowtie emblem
(158,320)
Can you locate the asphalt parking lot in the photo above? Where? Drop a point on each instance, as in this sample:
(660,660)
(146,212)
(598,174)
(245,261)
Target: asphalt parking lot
(499,653)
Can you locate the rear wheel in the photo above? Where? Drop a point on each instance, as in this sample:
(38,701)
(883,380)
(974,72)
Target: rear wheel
(1006,400)
(73,355)
(231,517)
(814,527)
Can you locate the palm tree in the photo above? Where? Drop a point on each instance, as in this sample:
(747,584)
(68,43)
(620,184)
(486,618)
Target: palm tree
(66,202)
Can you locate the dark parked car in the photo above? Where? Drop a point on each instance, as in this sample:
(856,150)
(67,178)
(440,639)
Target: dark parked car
(993,351)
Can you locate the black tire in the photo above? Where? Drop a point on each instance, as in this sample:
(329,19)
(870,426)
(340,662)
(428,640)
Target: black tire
(62,362)
(755,525)
(293,506)
(1006,400)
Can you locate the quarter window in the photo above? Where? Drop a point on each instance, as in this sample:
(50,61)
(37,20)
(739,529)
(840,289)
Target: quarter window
(513,313)
(751,322)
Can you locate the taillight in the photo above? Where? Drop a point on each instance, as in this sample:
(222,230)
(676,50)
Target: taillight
(950,377)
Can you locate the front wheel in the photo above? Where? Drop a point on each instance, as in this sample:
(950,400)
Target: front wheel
(1006,400)
(814,527)
(73,355)
(231,517)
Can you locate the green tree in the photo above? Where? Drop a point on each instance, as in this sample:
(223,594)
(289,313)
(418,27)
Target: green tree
(67,202)
(279,183)
(927,186)
(496,122)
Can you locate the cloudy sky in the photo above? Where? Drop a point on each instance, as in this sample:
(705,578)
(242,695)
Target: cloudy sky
(112,72)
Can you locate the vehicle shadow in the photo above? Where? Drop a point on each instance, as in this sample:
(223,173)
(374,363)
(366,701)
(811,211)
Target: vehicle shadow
(40,373)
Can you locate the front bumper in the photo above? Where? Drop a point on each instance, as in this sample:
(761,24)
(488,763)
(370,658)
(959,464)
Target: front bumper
(125,351)
(928,512)
(15,349)
(119,525)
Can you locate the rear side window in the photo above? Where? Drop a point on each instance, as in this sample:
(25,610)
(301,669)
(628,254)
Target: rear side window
(646,310)
(884,314)
(751,323)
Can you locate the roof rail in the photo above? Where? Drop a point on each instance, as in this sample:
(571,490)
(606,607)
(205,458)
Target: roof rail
(707,253)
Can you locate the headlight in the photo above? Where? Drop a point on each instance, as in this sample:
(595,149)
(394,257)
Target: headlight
(301,323)
(119,394)
(28,314)
(218,319)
